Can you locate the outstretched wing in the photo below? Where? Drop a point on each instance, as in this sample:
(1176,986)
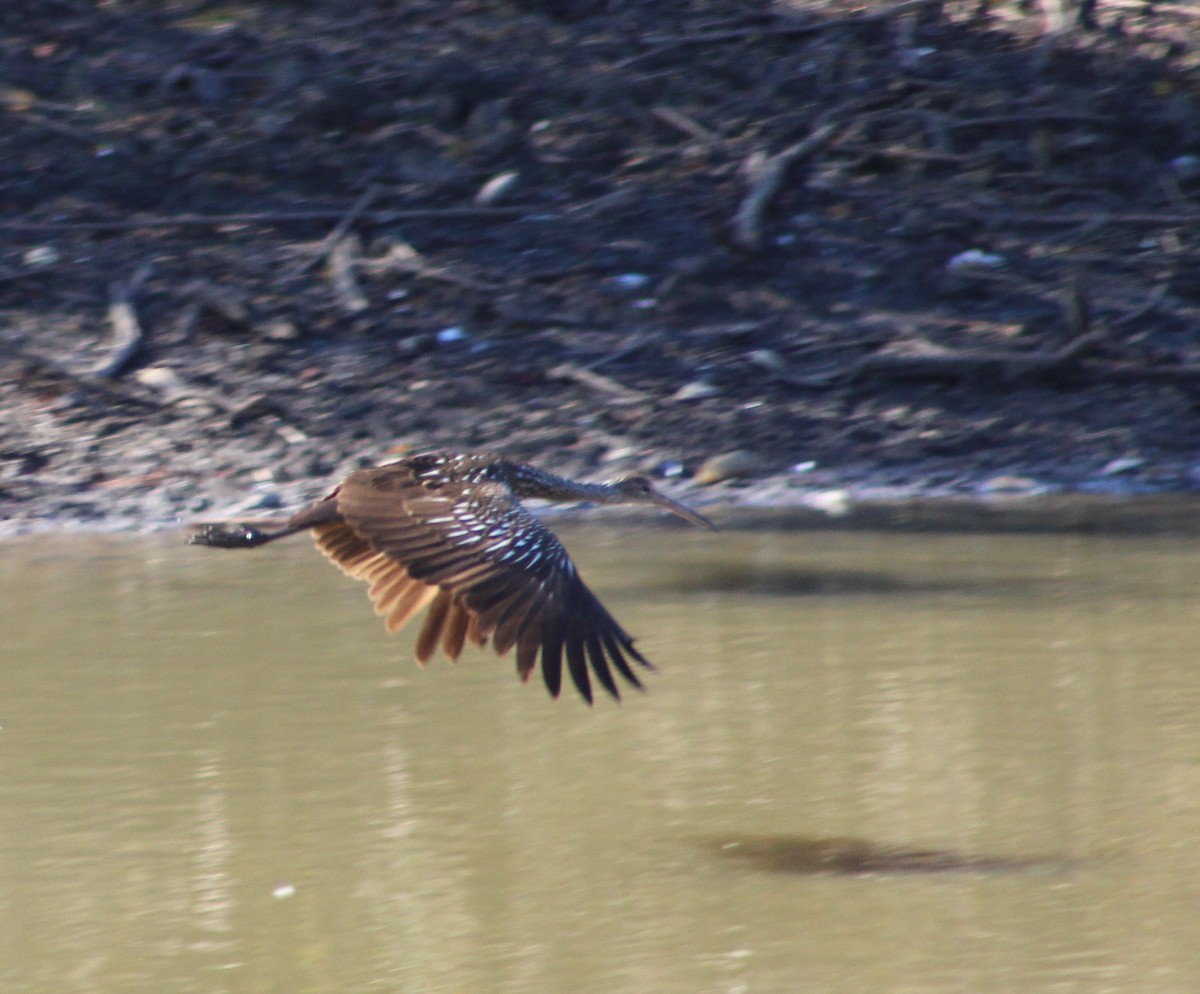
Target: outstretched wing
(487,568)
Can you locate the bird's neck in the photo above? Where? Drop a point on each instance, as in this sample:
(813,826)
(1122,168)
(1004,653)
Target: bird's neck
(528,481)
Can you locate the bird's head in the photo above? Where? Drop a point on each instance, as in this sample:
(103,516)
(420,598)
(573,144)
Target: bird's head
(640,490)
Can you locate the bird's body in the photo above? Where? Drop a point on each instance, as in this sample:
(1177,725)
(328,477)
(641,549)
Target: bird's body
(448,531)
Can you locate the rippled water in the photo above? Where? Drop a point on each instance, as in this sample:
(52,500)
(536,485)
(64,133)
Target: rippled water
(868,762)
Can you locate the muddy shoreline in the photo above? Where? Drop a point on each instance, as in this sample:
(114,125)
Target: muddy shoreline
(883,253)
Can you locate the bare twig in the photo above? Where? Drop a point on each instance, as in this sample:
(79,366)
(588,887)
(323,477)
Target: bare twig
(1152,303)
(66,130)
(1077,307)
(596,381)
(331,241)
(694,129)
(1183,374)
(1092,219)
(781,28)
(1048,115)
(401,257)
(766,174)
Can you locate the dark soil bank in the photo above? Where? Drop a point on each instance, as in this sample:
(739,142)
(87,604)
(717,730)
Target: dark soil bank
(916,246)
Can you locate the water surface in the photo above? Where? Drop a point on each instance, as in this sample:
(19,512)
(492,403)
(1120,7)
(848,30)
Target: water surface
(868,762)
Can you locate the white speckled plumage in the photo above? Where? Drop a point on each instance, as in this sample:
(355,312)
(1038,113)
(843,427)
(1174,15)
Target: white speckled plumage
(448,531)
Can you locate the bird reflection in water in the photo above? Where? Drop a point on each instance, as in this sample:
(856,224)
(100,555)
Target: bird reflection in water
(852,857)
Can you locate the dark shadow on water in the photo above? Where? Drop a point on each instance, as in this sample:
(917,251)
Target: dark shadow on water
(1051,514)
(789,582)
(803,856)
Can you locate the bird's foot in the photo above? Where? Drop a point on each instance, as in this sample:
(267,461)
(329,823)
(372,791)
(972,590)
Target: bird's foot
(229,535)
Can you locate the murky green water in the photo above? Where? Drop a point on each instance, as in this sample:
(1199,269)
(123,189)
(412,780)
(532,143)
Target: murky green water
(880,763)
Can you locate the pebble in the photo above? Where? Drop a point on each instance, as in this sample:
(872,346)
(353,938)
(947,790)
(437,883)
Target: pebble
(835,503)
(728,466)
(631,281)
(619,453)
(451,334)
(696,390)
(280,330)
(162,378)
(42,255)
(495,189)
(974,259)
(767,359)
(1186,167)
(1010,485)
(1124,464)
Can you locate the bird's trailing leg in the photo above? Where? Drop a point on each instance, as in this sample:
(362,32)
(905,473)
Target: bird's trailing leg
(240,534)
(250,532)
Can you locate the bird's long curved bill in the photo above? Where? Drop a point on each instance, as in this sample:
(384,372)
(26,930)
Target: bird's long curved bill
(683,511)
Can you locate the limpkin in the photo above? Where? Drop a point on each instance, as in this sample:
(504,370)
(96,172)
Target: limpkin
(448,531)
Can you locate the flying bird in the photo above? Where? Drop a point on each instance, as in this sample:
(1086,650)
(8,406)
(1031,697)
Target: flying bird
(447,531)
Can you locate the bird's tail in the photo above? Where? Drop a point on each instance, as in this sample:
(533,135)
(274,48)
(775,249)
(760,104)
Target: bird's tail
(239,534)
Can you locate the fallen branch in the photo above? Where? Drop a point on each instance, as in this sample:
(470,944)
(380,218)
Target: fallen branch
(1182,374)
(1046,116)
(269,218)
(931,362)
(781,28)
(926,361)
(173,391)
(401,257)
(693,129)
(1093,219)
(765,174)
(618,392)
(232,305)
(29,368)
(127,330)
(330,242)
(342,261)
